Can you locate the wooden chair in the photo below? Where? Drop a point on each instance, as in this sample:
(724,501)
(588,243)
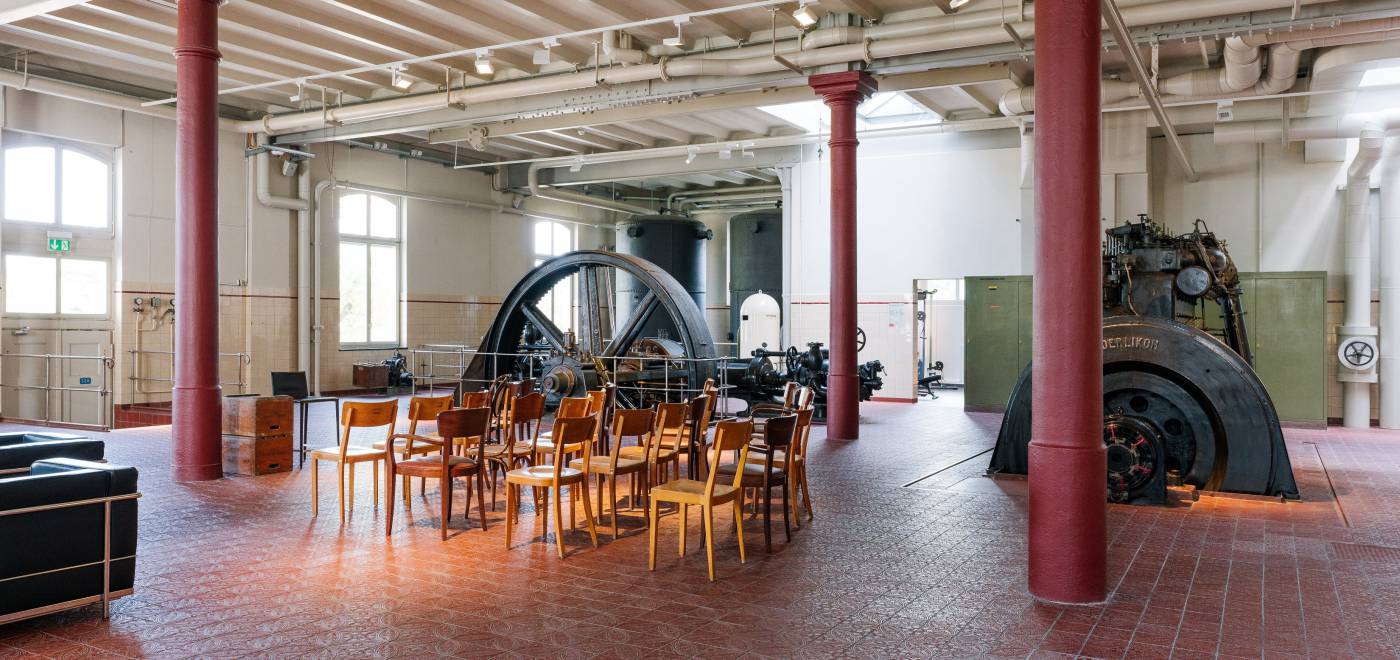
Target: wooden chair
(580,406)
(664,453)
(481,399)
(805,398)
(466,424)
(571,435)
(420,409)
(626,424)
(354,415)
(692,438)
(778,434)
(729,436)
(522,431)
(794,463)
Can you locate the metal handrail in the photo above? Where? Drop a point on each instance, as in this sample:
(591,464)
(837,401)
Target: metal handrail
(244,360)
(101,389)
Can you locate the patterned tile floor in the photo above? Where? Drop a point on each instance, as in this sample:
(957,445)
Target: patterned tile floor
(239,568)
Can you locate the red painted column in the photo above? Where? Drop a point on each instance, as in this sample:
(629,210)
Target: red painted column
(1067,458)
(842,92)
(197,402)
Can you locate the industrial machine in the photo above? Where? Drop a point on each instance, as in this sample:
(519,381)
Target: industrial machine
(760,381)
(1181,404)
(755,260)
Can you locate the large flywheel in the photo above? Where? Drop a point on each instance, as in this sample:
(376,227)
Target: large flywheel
(658,346)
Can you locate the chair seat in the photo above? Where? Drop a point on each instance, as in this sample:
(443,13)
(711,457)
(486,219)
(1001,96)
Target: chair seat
(602,464)
(353,453)
(431,467)
(496,451)
(778,458)
(543,475)
(689,491)
(419,448)
(315,399)
(753,475)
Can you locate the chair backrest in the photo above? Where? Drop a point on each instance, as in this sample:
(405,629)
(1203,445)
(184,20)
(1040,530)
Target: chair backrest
(789,393)
(670,419)
(732,435)
(806,396)
(290,383)
(367,414)
(503,395)
(480,399)
(697,417)
(524,422)
(527,385)
(631,424)
(572,435)
(464,423)
(603,402)
(575,406)
(778,433)
(425,409)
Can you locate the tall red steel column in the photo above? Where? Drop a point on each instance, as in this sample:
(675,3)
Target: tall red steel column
(197,403)
(1068,546)
(842,92)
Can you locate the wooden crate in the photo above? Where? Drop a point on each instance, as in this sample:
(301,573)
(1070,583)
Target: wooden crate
(370,376)
(253,455)
(255,415)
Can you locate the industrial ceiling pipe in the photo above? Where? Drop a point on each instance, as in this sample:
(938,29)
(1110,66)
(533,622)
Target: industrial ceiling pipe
(1389,371)
(1356,408)
(262,177)
(577,198)
(739,62)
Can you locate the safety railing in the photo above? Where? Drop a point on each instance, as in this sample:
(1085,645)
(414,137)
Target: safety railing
(139,380)
(440,366)
(102,388)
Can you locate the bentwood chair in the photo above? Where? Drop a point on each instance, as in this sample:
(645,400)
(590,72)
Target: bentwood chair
(469,424)
(778,433)
(793,463)
(626,424)
(354,415)
(571,435)
(729,436)
(521,431)
(293,384)
(420,409)
(481,399)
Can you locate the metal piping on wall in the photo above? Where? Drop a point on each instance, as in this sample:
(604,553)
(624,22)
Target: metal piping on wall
(302,205)
(1356,409)
(1389,370)
(576,198)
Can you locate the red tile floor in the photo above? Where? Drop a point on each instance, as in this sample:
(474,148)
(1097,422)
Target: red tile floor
(239,567)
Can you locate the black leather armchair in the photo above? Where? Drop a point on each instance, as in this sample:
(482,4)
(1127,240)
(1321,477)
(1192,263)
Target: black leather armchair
(69,530)
(20,450)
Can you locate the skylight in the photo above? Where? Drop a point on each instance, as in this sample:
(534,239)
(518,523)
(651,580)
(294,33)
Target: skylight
(884,109)
(1378,77)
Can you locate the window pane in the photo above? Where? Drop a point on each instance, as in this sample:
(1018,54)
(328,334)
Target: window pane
(31,284)
(29,184)
(85,190)
(542,238)
(354,293)
(82,286)
(563,239)
(352,214)
(384,293)
(383,218)
(943,289)
(561,307)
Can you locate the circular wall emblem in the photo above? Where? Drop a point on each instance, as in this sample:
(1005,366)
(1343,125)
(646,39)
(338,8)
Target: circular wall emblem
(1357,353)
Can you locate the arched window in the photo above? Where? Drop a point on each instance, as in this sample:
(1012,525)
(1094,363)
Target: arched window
(551,240)
(51,183)
(369,270)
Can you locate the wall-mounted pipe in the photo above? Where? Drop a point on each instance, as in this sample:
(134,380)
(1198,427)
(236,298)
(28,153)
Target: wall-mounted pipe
(617,48)
(262,176)
(743,61)
(1389,368)
(577,198)
(1356,408)
(1305,128)
(96,97)
(681,196)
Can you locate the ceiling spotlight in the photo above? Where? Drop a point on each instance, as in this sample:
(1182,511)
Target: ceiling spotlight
(726,153)
(807,17)
(577,164)
(690,154)
(397,78)
(541,56)
(677,41)
(484,67)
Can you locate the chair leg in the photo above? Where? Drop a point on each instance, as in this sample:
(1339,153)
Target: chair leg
(407,490)
(315,496)
(601,478)
(790,499)
(351,467)
(708,510)
(481,497)
(739,525)
(340,489)
(787,527)
(806,495)
(374,468)
(446,503)
(768,519)
(684,510)
(612,493)
(651,533)
(573,504)
(493,485)
(559,518)
(389,499)
(588,515)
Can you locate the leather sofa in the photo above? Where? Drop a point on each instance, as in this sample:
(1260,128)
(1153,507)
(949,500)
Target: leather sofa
(20,450)
(54,521)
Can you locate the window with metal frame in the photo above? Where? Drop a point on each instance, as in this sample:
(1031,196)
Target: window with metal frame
(56,183)
(551,240)
(55,285)
(370,270)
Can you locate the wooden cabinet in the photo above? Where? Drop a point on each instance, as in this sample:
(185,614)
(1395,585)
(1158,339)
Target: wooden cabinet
(257,434)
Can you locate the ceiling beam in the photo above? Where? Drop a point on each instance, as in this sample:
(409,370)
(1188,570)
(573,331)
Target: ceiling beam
(619,133)
(579,136)
(440,36)
(18,10)
(724,24)
(1128,47)
(985,103)
(928,104)
(493,25)
(864,8)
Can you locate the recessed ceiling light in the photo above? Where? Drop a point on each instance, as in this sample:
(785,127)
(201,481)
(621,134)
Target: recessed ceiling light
(484,66)
(805,15)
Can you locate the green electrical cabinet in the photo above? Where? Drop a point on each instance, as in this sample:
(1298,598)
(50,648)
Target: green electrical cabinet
(998,338)
(1285,315)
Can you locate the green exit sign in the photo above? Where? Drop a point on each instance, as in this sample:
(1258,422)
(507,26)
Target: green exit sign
(60,244)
